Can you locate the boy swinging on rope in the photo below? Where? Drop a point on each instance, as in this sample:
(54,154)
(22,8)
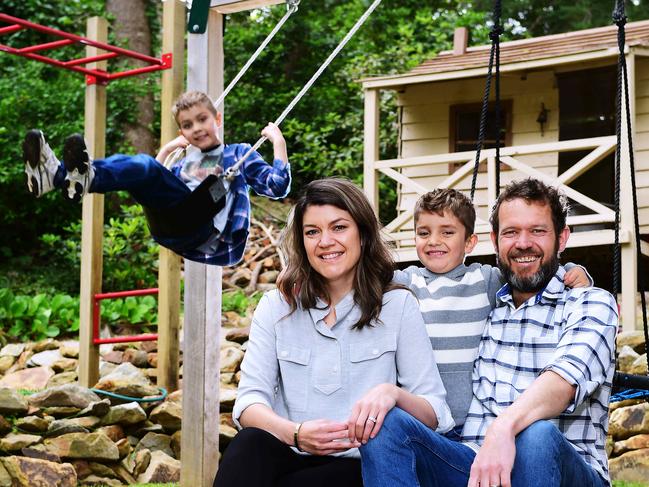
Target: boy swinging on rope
(219,242)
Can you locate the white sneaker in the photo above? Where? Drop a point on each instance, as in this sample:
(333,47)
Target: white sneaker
(40,163)
(78,164)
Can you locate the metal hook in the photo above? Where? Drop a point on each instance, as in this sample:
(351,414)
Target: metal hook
(292,5)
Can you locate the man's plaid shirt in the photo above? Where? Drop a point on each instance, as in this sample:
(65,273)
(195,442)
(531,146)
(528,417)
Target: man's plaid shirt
(568,331)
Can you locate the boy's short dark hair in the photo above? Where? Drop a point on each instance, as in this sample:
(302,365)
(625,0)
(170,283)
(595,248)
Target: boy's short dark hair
(192,98)
(451,200)
(533,191)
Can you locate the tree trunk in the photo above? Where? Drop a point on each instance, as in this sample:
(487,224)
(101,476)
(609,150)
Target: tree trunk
(131,25)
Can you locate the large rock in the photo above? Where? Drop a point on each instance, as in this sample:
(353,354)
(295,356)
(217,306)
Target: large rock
(99,408)
(12,350)
(125,414)
(631,467)
(14,442)
(136,357)
(33,424)
(5,363)
(101,481)
(227,396)
(12,402)
(44,359)
(127,380)
(633,339)
(155,442)
(63,378)
(625,357)
(5,478)
(238,335)
(72,425)
(629,421)
(67,395)
(636,442)
(230,358)
(5,426)
(91,446)
(46,344)
(639,365)
(32,472)
(70,349)
(168,414)
(35,378)
(162,468)
(65,365)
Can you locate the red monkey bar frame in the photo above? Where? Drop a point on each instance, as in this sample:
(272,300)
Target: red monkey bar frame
(146,337)
(92,75)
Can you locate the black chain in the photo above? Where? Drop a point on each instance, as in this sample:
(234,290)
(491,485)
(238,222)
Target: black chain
(494,35)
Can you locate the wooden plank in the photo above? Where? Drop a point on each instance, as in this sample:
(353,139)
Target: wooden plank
(425,112)
(233,6)
(173,25)
(92,225)
(371,146)
(586,163)
(629,277)
(642,107)
(202,323)
(426,130)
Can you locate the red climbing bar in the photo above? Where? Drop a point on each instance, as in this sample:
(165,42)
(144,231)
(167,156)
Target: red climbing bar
(96,317)
(93,75)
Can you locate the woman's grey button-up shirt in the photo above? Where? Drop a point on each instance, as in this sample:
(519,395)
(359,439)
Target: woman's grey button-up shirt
(303,369)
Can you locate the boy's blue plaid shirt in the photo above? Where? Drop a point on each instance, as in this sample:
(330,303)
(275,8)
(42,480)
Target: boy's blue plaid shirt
(266,180)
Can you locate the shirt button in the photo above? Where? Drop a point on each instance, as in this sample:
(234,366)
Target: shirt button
(284,353)
(375,351)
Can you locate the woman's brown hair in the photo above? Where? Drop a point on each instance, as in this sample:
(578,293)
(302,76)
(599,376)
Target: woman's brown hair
(301,285)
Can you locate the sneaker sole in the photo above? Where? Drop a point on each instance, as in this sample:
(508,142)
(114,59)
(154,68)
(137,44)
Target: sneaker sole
(32,155)
(78,191)
(75,154)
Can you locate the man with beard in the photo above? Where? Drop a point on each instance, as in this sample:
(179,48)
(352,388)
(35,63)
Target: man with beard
(542,379)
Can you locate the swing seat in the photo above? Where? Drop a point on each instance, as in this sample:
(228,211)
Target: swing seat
(192,213)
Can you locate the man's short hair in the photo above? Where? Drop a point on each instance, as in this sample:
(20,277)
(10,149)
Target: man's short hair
(533,190)
(190,99)
(451,200)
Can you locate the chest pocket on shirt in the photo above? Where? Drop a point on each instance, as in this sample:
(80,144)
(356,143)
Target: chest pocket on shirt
(294,374)
(373,359)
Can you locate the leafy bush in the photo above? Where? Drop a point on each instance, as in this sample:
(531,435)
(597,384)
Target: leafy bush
(42,316)
(130,254)
(239,302)
(37,317)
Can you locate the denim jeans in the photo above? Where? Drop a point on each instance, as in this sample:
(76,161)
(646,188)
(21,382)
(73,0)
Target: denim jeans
(149,183)
(408,453)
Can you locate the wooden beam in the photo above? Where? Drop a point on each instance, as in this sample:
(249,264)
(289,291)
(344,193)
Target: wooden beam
(371,147)
(202,324)
(233,6)
(173,41)
(92,225)
(629,264)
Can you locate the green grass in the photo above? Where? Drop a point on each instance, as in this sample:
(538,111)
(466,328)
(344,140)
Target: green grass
(620,483)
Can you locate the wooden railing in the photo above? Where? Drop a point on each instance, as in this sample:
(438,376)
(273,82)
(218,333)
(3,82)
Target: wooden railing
(411,175)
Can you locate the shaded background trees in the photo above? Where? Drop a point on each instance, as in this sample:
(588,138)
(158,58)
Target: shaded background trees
(324,132)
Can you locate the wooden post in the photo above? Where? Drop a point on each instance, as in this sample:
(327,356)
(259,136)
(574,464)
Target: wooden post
(629,259)
(202,323)
(371,147)
(173,41)
(93,214)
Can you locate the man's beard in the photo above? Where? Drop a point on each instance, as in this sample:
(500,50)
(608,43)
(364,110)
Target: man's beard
(531,283)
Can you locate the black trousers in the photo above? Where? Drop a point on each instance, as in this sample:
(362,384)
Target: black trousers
(255,458)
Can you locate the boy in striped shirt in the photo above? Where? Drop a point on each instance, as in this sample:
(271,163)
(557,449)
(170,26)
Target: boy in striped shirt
(455,299)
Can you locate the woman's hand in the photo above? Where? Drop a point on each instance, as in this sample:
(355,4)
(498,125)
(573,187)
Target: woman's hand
(324,437)
(369,412)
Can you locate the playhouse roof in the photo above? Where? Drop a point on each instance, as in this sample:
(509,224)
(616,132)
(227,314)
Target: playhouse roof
(521,54)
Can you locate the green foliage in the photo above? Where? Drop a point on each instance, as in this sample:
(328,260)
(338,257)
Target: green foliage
(41,316)
(130,254)
(621,483)
(239,302)
(37,317)
(129,311)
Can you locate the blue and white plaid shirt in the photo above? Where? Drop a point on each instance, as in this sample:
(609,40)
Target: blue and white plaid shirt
(568,331)
(272,181)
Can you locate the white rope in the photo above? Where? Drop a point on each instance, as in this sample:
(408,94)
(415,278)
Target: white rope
(232,171)
(291,8)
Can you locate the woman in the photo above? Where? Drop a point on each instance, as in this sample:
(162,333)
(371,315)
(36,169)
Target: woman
(326,351)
